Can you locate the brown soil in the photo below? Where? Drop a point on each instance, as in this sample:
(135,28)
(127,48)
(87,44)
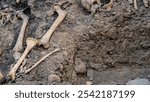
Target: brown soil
(110,48)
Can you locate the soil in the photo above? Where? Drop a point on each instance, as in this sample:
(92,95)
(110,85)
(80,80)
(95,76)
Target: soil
(111,47)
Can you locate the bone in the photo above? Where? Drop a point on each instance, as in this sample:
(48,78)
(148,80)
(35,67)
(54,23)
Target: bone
(145,3)
(61,15)
(31,42)
(135,4)
(42,59)
(130,1)
(19,44)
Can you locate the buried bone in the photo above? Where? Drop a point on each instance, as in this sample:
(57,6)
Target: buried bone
(42,59)
(19,44)
(61,15)
(31,42)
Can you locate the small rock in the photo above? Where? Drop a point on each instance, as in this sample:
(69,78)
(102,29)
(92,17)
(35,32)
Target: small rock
(80,66)
(139,82)
(89,83)
(54,78)
(90,74)
(17,55)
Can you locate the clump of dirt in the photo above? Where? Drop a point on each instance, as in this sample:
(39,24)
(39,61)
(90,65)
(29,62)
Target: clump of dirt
(111,47)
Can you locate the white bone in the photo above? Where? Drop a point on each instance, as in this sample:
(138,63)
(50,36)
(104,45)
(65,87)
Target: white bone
(42,59)
(31,42)
(61,15)
(19,44)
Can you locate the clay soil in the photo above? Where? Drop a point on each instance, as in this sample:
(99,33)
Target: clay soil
(112,47)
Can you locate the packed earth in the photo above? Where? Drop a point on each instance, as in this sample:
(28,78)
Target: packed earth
(88,41)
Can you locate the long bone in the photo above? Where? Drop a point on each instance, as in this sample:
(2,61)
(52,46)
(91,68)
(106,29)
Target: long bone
(19,44)
(42,59)
(31,42)
(61,15)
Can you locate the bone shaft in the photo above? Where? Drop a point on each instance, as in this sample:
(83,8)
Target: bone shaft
(19,42)
(42,59)
(135,4)
(145,3)
(59,19)
(21,59)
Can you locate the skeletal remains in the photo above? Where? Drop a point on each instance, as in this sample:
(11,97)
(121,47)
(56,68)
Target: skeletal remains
(31,42)
(90,5)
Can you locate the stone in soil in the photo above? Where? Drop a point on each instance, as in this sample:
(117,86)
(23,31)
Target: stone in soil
(139,82)
(80,66)
(54,78)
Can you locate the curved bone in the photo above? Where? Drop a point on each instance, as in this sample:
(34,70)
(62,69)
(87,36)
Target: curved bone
(31,42)
(42,59)
(19,44)
(61,15)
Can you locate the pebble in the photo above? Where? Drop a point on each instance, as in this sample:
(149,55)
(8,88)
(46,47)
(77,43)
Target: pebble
(89,83)
(80,66)
(139,82)
(90,74)
(17,55)
(54,78)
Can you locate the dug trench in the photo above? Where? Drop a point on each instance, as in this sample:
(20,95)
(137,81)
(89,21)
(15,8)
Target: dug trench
(112,47)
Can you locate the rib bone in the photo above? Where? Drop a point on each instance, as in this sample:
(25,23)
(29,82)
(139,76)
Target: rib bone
(31,42)
(42,59)
(61,15)
(19,44)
